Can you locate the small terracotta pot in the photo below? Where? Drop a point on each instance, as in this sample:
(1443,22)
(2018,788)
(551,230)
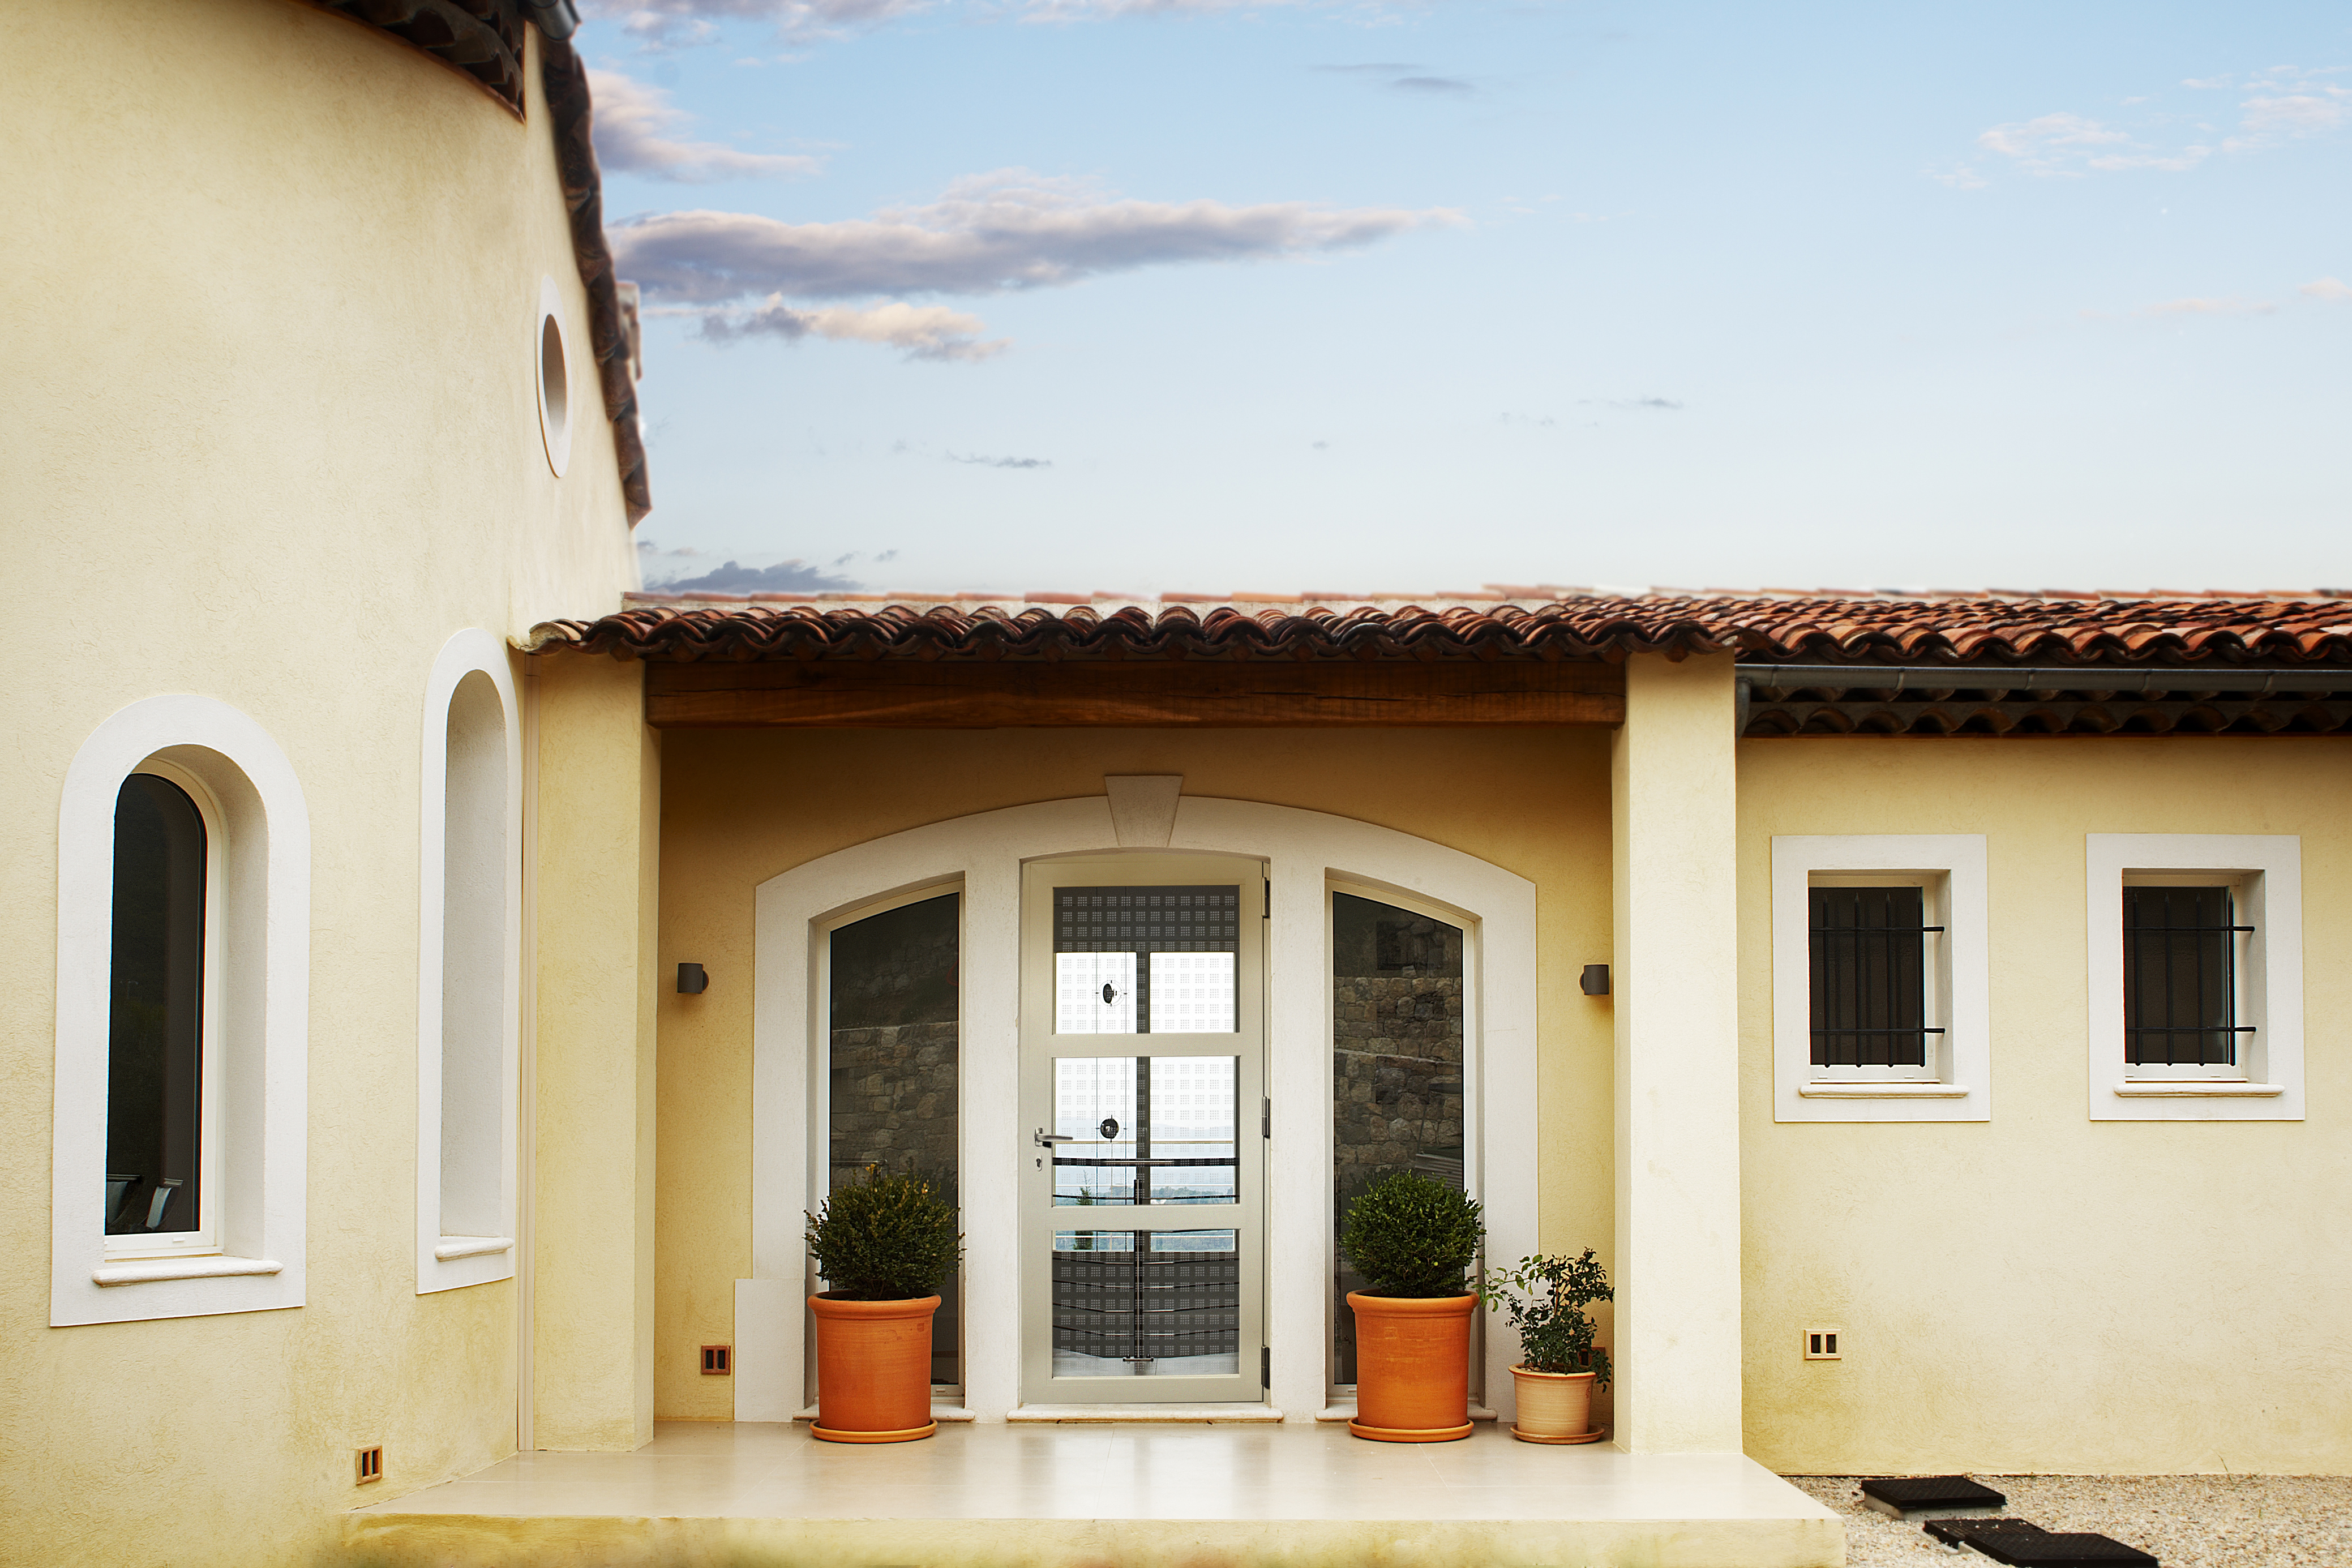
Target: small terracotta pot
(1554,1406)
(873,1370)
(1412,1367)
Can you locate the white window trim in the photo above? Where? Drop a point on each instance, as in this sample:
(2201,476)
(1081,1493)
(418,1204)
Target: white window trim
(2270,982)
(1304,851)
(264,1051)
(1955,865)
(451,1262)
(203,1240)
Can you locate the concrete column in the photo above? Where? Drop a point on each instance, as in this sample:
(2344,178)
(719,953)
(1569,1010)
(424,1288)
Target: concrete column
(599,846)
(1675,979)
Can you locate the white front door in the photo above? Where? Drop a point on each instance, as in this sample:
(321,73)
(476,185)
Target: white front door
(1143,1093)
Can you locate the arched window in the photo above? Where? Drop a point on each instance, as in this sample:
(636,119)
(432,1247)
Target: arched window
(163,1148)
(468,962)
(181,1079)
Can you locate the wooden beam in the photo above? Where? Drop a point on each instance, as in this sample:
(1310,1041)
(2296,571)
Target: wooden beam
(1180,694)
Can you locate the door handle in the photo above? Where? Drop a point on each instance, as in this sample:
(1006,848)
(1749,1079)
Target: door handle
(1045,1139)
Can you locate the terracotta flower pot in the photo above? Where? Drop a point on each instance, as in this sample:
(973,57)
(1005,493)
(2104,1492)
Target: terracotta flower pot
(1554,1406)
(873,1370)
(1412,1367)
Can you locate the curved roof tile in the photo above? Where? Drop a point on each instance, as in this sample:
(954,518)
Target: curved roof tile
(1873,629)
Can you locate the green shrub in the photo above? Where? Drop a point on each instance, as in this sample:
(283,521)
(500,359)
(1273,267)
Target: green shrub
(887,1238)
(1409,1236)
(1545,1298)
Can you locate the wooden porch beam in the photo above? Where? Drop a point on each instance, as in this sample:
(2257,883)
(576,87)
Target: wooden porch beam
(915,694)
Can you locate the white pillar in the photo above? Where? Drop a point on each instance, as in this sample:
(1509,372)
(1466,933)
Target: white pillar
(1675,979)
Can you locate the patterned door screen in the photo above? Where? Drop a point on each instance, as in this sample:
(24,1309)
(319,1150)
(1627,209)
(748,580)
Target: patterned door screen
(1146,1303)
(1154,1131)
(1145,960)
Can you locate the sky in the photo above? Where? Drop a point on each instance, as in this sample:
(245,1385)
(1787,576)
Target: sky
(1355,296)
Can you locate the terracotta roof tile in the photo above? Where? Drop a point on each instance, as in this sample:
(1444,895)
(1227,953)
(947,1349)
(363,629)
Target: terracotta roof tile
(1493,624)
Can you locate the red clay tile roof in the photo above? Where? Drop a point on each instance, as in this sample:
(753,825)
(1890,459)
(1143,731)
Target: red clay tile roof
(1502,623)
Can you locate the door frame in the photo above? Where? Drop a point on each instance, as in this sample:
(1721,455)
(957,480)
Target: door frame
(1305,852)
(1039,1046)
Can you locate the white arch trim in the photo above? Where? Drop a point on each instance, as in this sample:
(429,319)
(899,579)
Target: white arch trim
(1306,851)
(448,1262)
(263,1016)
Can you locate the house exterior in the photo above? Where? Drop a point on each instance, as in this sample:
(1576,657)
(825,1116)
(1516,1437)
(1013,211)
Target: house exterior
(1927,1005)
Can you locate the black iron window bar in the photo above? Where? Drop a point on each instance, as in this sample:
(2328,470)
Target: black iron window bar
(2223,956)
(1862,998)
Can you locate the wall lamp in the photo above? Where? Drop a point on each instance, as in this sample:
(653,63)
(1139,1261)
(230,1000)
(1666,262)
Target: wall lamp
(1594,981)
(691,979)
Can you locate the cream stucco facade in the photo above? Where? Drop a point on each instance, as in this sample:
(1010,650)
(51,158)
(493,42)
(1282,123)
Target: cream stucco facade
(275,304)
(273,311)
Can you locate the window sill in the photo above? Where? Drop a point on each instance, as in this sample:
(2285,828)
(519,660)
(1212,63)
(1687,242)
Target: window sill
(1888,1091)
(451,1248)
(2197,1089)
(148,1270)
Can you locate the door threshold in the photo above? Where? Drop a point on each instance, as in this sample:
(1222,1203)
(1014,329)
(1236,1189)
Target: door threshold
(939,1412)
(1200,1414)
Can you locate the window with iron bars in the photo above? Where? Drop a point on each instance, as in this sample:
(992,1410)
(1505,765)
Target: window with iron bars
(1871,997)
(2180,976)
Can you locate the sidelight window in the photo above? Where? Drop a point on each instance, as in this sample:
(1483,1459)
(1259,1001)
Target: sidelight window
(893,1066)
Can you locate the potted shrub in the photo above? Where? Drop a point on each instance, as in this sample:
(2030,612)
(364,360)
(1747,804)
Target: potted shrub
(1413,1240)
(884,1246)
(1545,1298)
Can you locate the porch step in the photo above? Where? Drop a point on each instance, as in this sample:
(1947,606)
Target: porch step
(1068,1494)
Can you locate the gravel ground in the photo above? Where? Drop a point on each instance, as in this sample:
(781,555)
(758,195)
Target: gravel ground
(2185,1522)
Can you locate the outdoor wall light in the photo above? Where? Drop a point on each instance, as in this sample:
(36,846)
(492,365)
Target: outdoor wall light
(691,979)
(1594,982)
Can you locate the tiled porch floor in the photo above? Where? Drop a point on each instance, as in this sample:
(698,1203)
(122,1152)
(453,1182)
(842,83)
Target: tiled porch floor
(1130,1496)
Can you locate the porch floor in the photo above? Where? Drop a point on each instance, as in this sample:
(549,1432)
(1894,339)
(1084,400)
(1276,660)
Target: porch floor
(1042,1496)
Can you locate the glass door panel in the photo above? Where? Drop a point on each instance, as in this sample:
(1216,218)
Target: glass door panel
(1396,1069)
(890,1069)
(1119,957)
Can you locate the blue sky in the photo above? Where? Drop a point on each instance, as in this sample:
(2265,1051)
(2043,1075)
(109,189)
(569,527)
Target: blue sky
(1101,294)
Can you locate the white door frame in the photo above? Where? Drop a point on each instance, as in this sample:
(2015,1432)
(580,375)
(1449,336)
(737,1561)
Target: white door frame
(1306,851)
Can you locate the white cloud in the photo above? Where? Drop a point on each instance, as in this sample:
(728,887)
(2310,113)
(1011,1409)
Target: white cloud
(671,24)
(2051,135)
(630,122)
(987,234)
(2282,104)
(2197,307)
(2331,290)
(925,331)
(2285,104)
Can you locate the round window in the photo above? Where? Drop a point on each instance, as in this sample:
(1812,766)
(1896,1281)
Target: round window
(555,379)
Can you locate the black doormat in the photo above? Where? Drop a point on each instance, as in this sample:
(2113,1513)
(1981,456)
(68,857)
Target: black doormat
(1958,1531)
(2055,1550)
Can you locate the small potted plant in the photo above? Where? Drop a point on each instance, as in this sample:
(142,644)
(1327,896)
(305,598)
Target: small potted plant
(1559,1366)
(1414,1241)
(884,1246)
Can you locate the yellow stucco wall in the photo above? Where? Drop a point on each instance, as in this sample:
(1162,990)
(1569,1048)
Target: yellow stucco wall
(272,437)
(740,807)
(599,840)
(2041,1291)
